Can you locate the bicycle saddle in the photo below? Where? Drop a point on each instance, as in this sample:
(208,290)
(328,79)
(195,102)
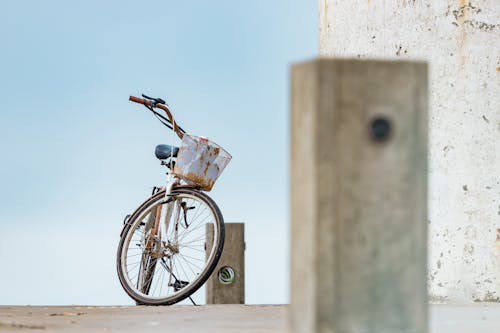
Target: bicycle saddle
(163,152)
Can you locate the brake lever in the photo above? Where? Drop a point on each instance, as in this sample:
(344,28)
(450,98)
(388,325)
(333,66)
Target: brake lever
(156,100)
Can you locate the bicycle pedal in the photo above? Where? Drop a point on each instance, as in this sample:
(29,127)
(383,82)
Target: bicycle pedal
(178,285)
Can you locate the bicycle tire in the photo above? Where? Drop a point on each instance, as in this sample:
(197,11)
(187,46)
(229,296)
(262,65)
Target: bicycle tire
(134,223)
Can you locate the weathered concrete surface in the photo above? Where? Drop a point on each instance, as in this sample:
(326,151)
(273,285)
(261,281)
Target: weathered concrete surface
(209,319)
(461,41)
(233,256)
(185,319)
(358,206)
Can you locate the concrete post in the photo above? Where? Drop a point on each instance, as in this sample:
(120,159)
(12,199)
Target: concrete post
(358,196)
(226,285)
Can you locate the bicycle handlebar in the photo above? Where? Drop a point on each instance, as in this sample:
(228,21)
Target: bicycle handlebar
(142,101)
(151,103)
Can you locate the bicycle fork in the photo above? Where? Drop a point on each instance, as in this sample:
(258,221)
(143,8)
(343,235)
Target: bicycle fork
(156,241)
(171,244)
(166,214)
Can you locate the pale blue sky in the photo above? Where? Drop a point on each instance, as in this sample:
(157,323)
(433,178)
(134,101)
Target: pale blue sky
(77,156)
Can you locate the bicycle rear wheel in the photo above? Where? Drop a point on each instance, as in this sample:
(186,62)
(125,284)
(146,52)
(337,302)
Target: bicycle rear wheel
(164,268)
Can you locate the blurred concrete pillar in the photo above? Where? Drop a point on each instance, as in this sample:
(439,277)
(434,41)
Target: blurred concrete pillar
(358,196)
(226,285)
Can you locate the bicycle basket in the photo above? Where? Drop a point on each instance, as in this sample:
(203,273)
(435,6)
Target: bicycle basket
(200,161)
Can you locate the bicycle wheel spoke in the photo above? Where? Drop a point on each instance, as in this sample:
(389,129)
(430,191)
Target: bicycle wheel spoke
(186,233)
(135,265)
(150,278)
(156,285)
(191,241)
(182,267)
(179,276)
(190,264)
(162,274)
(134,255)
(191,248)
(199,214)
(186,256)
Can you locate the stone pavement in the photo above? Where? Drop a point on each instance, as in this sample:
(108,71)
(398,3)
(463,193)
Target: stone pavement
(477,318)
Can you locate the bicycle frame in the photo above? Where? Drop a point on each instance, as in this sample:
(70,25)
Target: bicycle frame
(162,220)
(154,240)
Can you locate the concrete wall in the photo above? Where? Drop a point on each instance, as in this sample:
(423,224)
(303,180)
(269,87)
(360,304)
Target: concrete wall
(461,40)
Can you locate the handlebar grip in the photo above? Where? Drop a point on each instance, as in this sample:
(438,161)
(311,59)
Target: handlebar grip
(137,100)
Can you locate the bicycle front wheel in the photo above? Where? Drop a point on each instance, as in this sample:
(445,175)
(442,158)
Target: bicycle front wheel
(163,268)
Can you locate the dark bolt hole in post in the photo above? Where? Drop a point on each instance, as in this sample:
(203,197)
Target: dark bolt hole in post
(380,129)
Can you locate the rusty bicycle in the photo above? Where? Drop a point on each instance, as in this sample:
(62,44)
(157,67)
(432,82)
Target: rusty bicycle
(172,242)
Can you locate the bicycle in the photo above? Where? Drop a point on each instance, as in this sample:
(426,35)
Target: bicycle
(162,255)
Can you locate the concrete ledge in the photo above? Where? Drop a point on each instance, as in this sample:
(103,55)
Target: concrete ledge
(484,318)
